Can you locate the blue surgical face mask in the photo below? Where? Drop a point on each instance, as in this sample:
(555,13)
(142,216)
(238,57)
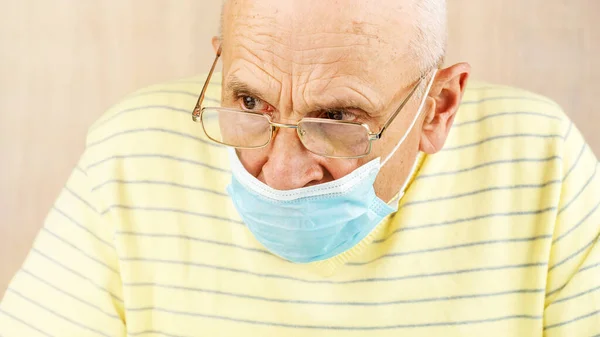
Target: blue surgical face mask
(312,223)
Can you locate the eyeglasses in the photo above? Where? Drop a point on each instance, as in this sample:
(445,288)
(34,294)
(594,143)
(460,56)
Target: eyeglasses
(325,137)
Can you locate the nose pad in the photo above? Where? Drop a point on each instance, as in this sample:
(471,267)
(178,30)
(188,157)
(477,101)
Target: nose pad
(301,136)
(301,132)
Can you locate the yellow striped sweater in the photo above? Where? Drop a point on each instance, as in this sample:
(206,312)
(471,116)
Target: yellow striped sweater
(496,236)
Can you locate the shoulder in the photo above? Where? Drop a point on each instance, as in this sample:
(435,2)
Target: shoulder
(491,101)
(149,136)
(503,116)
(502,133)
(165,103)
(153,115)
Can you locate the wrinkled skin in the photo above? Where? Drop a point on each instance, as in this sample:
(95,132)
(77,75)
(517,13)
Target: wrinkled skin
(335,59)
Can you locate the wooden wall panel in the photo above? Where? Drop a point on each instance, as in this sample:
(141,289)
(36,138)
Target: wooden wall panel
(63,62)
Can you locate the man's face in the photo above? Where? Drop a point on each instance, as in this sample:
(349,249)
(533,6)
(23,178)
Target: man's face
(308,58)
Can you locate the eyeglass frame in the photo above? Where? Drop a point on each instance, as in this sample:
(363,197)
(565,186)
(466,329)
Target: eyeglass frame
(372,136)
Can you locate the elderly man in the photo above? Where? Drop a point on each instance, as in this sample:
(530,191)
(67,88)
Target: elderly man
(332,185)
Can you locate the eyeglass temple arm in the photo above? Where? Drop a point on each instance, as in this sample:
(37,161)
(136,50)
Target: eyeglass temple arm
(198,107)
(393,116)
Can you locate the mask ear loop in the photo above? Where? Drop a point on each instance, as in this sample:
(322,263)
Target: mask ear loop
(412,125)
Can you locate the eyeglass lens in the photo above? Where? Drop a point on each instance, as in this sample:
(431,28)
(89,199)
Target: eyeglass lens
(247,130)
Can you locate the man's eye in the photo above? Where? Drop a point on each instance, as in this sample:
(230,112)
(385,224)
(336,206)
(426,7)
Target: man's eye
(338,115)
(251,103)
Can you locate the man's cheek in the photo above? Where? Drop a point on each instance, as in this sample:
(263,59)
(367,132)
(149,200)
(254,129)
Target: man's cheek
(253,160)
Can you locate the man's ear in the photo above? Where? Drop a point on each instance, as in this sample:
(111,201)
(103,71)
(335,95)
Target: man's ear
(216,43)
(443,103)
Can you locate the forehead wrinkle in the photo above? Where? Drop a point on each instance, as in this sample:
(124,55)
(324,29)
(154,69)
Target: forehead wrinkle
(284,55)
(383,21)
(258,21)
(268,36)
(302,78)
(295,23)
(259,64)
(264,87)
(234,84)
(353,93)
(263,58)
(307,37)
(291,29)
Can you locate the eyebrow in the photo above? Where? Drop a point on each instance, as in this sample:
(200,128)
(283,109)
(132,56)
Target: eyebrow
(236,87)
(344,104)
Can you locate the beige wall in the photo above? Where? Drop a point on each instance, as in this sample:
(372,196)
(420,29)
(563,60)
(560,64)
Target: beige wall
(63,62)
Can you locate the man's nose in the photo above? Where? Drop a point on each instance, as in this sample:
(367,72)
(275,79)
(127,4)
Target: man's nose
(290,165)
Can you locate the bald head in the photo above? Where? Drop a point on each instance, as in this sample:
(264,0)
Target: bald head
(425,20)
